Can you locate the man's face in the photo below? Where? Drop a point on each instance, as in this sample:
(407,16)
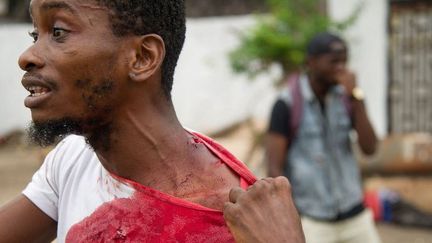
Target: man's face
(72,69)
(328,66)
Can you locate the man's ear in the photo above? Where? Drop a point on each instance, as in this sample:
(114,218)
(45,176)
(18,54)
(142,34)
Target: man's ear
(149,53)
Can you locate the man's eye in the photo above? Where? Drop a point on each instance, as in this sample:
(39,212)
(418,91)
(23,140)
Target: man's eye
(34,35)
(58,32)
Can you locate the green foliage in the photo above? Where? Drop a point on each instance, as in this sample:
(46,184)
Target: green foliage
(281,37)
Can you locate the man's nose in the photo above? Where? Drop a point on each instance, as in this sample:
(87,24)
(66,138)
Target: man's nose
(30,60)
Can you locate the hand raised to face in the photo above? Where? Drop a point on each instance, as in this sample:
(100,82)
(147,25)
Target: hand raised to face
(347,79)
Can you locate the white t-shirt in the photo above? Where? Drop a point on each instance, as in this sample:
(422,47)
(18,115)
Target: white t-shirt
(64,187)
(72,186)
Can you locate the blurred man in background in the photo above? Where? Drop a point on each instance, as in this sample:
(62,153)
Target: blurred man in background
(309,142)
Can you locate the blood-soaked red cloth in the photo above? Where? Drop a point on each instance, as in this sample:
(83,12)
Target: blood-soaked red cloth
(152,216)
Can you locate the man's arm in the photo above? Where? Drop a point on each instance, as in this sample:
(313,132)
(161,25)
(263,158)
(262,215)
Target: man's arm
(365,132)
(22,221)
(264,213)
(276,150)
(276,142)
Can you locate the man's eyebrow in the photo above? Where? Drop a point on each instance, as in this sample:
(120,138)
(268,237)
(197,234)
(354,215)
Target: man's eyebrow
(57,5)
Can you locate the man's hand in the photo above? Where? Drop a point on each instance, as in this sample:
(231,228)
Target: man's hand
(264,213)
(347,79)
(366,135)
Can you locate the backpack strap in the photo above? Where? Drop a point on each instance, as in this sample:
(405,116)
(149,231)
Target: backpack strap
(293,98)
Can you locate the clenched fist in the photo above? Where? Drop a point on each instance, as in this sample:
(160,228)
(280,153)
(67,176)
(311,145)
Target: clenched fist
(264,213)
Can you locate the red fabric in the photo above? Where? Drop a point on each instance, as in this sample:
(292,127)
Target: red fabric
(373,202)
(152,216)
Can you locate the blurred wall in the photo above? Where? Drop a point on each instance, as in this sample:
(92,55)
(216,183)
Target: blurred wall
(368,40)
(207,95)
(13,40)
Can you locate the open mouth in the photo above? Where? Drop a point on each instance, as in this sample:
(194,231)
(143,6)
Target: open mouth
(38,95)
(36,91)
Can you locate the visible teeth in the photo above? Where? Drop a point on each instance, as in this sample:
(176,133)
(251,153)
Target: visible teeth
(37,94)
(37,91)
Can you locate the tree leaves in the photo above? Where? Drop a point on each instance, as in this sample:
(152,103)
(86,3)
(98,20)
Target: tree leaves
(281,37)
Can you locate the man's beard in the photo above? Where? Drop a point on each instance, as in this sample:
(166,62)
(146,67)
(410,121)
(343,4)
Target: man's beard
(50,132)
(96,130)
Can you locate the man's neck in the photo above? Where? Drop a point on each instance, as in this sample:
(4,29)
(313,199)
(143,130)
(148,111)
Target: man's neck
(152,148)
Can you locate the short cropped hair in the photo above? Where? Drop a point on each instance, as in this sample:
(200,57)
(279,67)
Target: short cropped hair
(322,44)
(165,18)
